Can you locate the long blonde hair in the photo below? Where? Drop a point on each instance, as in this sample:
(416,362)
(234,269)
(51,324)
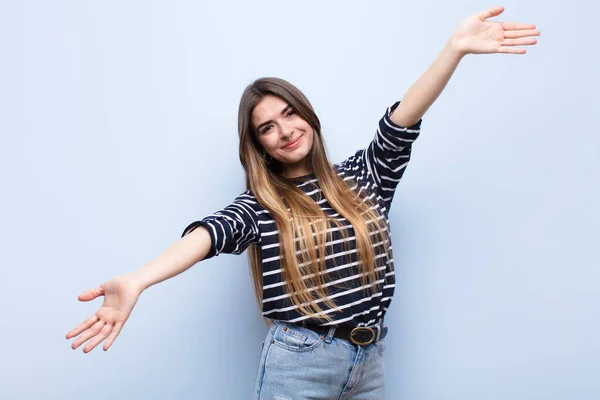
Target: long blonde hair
(303,263)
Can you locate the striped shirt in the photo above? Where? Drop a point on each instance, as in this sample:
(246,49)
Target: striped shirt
(373,173)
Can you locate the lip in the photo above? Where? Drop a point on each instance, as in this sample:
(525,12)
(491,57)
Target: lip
(293,144)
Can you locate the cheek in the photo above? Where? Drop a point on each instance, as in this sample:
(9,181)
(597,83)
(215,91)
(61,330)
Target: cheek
(268,143)
(311,138)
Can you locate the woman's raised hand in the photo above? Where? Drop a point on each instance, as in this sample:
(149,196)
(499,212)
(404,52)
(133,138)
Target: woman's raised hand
(120,296)
(477,35)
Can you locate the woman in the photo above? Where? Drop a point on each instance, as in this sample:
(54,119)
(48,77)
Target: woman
(318,235)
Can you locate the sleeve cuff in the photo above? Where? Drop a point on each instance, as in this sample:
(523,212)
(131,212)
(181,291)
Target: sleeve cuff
(196,224)
(416,127)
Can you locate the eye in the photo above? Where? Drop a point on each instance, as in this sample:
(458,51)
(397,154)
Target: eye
(267,129)
(290,113)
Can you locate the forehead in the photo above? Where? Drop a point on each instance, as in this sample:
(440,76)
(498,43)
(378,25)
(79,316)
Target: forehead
(269,108)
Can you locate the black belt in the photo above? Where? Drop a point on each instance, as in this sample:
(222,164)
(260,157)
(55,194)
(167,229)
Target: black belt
(361,335)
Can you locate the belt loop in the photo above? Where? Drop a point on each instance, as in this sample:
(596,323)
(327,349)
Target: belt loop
(330,334)
(378,326)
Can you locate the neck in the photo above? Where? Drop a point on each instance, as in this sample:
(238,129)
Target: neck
(300,168)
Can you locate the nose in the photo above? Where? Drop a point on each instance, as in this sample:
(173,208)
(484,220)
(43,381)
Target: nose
(287,130)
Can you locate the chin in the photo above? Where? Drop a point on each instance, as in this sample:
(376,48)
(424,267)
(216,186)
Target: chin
(298,158)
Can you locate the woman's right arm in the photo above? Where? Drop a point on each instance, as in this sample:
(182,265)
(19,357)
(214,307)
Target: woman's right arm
(122,292)
(179,257)
(230,230)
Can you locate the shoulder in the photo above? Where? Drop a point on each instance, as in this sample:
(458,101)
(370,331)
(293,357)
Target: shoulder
(248,198)
(352,163)
(248,201)
(247,195)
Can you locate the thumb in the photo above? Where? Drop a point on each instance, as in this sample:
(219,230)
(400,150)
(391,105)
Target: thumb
(491,12)
(91,294)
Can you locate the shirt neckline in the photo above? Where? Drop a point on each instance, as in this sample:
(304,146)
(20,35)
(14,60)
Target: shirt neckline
(303,178)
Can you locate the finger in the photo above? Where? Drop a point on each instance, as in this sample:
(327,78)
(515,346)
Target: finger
(514,26)
(522,33)
(519,42)
(85,336)
(489,13)
(91,294)
(98,339)
(115,332)
(511,50)
(82,326)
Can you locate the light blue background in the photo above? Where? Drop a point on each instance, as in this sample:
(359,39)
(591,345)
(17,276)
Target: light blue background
(118,126)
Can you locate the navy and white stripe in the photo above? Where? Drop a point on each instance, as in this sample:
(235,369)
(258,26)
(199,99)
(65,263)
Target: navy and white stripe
(374,173)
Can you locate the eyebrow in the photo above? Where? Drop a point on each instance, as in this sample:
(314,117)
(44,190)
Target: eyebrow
(271,121)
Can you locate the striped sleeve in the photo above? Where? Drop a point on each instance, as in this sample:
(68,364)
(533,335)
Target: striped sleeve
(231,229)
(388,154)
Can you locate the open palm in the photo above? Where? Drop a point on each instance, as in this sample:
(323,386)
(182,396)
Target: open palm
(120,296)
(477,35)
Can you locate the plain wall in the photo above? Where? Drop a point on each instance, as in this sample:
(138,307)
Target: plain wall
(118,125)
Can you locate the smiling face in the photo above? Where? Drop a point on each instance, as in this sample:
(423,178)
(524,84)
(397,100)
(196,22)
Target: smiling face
(283,134)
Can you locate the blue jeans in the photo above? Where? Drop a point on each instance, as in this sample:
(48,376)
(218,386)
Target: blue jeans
(297,363)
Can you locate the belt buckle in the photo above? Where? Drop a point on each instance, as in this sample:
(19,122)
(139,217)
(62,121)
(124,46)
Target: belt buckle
(359,329)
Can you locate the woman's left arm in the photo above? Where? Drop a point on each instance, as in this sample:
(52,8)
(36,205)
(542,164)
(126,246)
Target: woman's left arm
(475,35)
